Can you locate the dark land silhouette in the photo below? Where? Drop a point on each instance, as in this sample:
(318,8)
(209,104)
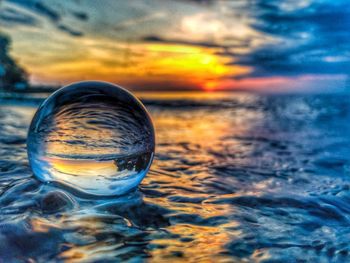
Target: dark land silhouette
(12,76)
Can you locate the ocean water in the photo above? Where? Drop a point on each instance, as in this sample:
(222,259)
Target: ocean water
(236,178)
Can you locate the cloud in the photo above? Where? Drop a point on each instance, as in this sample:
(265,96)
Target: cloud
(287,39)
(126,24)
(80,15)
(46,11)
(157,39)
(12,16)
(203,2)
(70,31)
(311,39)
(39,8)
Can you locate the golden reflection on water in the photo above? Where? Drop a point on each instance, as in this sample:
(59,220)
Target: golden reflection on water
(196,96)
(42,225)
(85,253)
(202,244)
(192,140)
(189,142)
(202,128)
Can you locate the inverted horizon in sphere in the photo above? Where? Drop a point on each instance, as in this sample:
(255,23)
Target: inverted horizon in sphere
(93,137)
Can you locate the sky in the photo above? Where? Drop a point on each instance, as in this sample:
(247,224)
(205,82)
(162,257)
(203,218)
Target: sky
(271,45)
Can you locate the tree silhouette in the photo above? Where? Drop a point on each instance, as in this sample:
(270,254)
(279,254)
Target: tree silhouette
(12,76)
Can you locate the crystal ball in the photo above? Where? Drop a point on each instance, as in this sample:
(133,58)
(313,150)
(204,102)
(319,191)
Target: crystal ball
(94,138)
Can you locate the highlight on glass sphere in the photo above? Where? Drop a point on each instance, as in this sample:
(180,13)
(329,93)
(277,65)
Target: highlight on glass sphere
(93,137)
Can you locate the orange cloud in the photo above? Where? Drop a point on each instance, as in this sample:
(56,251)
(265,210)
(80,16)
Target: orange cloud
(134,64)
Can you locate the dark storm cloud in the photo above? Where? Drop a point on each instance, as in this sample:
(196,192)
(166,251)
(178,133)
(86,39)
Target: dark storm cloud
(311,40)
(12,16)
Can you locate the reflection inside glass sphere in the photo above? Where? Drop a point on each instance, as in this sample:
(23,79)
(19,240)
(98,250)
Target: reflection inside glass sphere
(93,137)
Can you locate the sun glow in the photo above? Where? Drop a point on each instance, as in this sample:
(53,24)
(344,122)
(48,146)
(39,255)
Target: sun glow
(139,64)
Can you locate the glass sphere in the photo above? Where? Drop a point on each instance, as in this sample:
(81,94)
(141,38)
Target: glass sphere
(92,137)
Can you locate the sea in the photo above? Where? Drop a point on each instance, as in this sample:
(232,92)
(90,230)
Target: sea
(237,177)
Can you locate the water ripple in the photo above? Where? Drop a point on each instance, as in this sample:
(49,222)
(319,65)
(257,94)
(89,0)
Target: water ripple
(245,178)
